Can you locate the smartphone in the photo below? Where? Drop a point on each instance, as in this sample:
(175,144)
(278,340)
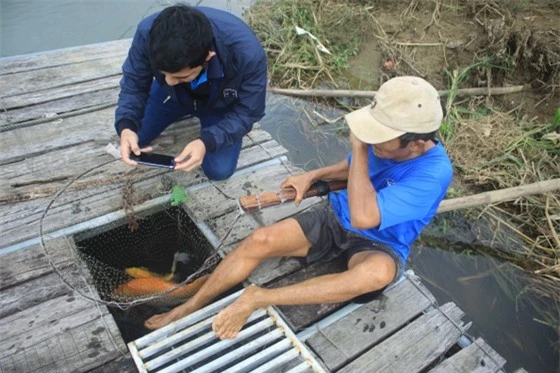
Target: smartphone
(154,160)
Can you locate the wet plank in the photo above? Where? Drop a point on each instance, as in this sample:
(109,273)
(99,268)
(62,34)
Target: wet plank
(415,346)
(299,317)
(478,357)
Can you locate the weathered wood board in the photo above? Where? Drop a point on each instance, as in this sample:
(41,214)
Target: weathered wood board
(348,338)
(478,357)
(48,326)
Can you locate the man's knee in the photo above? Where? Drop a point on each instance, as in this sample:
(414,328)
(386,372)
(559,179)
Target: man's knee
(263,243)
(376,269)
(218,172)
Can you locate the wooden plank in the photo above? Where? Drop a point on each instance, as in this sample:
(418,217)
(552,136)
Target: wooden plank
(25,265)
(299,317)
(71,208)
(34,97)
(66,56)
(207,203)
(57,76)
(79,349)
(22,143)
(342,341)
(25,142)
(478,357)
(31,293)
(93,100)
(44,321)
(415,346)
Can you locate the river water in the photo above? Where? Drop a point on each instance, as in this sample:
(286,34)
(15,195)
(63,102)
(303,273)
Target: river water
(480,286)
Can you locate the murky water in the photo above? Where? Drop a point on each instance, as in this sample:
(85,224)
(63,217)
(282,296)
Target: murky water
(315,137)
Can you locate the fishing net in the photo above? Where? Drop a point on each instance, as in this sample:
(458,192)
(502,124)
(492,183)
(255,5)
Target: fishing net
(138,253)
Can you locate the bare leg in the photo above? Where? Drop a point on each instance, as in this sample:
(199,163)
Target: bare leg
(267,242)
(368,271)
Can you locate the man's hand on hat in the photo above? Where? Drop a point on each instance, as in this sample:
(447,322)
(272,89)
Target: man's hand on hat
(357,143)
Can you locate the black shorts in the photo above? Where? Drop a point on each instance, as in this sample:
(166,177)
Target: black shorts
(329,239)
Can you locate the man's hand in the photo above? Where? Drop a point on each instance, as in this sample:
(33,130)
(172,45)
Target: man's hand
(191,157)
(129,143)
(301,183)
(357,143)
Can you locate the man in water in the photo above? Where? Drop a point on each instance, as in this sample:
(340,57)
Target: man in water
(397,175)
(192,61)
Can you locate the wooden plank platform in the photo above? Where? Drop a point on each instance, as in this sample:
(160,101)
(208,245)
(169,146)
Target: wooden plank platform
(56,118)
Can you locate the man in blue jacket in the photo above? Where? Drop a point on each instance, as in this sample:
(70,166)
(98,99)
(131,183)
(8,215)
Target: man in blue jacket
(192,61)
(397,175)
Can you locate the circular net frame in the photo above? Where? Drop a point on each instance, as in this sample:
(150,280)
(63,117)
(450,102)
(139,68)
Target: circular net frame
(156,256)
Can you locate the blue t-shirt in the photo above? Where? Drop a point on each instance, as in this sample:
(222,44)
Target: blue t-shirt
(408,195)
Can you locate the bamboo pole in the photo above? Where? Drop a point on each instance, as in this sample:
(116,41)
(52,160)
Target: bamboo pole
(256,202)
(369,94)
(501,195)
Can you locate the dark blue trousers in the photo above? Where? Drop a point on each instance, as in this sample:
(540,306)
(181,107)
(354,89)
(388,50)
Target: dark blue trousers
(160,113)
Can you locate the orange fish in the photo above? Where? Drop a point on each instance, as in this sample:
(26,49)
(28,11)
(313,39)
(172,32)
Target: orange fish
(146,286)
(140,272)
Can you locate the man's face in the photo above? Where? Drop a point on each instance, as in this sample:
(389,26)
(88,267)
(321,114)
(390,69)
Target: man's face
(391,150)
(186,75)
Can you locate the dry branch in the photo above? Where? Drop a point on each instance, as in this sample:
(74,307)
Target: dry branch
(501,195)
(369,94)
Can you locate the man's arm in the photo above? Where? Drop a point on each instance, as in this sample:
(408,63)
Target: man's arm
(302,182)
(362,196)
(135,83)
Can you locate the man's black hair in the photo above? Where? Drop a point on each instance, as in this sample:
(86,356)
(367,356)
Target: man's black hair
(408,137)
(180,38)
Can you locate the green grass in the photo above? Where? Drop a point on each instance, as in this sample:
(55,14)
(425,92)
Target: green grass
(294,60)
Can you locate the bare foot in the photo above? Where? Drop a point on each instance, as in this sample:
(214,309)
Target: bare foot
(231,319)
(162,319)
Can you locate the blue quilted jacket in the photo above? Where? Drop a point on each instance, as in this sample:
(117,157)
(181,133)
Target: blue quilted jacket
(241,93)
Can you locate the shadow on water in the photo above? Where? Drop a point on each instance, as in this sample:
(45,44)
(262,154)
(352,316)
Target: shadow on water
(491,292)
